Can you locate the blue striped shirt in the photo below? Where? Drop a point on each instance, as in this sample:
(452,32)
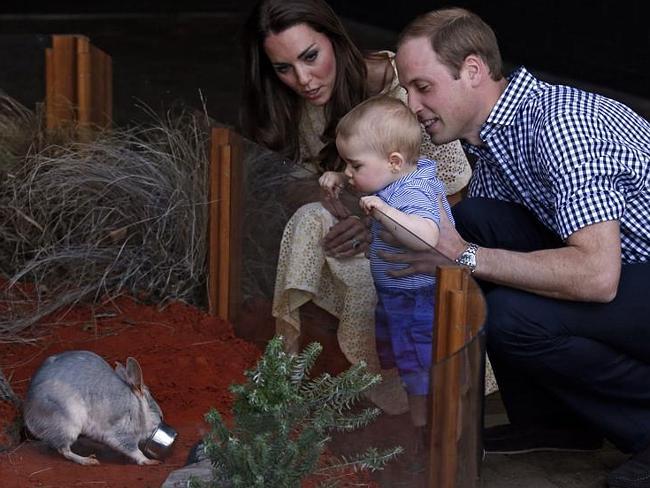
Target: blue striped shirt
(571,157)
(415,194)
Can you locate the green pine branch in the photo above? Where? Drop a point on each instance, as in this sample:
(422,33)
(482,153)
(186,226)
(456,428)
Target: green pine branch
(283,420)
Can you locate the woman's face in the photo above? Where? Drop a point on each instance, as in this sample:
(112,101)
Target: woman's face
(304,60)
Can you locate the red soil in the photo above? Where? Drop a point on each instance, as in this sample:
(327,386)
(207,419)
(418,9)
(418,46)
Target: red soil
(188,359)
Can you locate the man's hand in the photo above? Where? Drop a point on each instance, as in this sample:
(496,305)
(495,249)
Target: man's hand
(425,262)
(450,246)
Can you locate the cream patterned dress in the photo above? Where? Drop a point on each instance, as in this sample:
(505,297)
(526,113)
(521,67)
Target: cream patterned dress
(343,286)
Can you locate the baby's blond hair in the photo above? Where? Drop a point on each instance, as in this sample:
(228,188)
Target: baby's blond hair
(386,124)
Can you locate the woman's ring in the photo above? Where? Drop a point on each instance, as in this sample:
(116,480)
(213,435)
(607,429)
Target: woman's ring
(355,243)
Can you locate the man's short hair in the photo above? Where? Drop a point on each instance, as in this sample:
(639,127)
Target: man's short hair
(455,33)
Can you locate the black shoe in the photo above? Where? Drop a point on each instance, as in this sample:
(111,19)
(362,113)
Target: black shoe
(633,473)
(516,439)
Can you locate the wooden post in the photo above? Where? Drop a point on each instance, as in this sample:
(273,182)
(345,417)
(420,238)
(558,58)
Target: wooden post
(50,116)
(107,108)
(213,227)
(62,95)
(103,88)
(225,220)
(460,311)
(79,87)
(84,86)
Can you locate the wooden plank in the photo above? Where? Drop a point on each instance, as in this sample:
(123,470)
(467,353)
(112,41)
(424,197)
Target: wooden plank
(64,80)
(107,109)
(221,136)
(213,227)
(448,278)
(99,89)
(476,307)
(84,87)
(225,225)
(79,85)
(444,281)
(235,298)
(451,404)
(50,115)
(226,245)
(459,305)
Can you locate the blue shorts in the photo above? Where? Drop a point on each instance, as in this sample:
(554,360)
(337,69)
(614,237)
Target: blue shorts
(404,334)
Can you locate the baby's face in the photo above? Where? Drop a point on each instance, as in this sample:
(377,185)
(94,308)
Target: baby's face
(366,170)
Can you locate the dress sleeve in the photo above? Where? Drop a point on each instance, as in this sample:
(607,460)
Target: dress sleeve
(453,167)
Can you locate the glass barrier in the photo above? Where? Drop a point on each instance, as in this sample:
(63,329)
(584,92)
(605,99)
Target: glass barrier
(285,283)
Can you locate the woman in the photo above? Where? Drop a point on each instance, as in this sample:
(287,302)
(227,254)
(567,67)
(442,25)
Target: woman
(302,74)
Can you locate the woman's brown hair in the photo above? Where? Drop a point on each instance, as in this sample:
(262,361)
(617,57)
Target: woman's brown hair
(271,110)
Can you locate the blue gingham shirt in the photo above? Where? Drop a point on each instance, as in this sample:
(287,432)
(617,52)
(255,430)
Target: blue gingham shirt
(572,158)
(415,194)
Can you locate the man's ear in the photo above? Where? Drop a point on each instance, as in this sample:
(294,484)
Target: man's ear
(396,161)
(475,69)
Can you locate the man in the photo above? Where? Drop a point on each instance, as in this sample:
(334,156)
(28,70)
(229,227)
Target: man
(556,228)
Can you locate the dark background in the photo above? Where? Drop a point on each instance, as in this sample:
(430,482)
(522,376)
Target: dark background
(601,41)
(165,52)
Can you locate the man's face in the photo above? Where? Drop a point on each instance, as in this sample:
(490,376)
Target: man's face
(442,103)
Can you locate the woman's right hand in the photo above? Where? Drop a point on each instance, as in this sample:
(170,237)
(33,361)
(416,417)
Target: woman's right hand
(332,183)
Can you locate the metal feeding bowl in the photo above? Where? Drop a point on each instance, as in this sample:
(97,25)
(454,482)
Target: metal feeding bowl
(160,442)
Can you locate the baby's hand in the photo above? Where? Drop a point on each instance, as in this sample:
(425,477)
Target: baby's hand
(371,202)
(332,183)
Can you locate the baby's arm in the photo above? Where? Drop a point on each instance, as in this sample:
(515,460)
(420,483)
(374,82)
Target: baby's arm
(332,182)
(402,226)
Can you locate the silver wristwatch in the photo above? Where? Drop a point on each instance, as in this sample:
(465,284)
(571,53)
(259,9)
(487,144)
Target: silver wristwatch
(468,257)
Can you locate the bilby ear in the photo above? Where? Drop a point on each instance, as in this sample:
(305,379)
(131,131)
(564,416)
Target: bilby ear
(396,161)
(120,371)
(134,374)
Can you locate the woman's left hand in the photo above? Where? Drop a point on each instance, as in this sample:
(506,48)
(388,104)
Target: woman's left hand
(347,238)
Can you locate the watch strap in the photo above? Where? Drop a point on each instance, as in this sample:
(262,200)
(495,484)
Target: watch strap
(468,257)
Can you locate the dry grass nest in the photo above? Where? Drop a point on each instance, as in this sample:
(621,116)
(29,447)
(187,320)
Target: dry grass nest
(123,213)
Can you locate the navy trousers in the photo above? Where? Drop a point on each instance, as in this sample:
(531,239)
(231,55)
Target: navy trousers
(559,362)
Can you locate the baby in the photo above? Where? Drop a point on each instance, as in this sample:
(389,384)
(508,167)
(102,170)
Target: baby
(379,140)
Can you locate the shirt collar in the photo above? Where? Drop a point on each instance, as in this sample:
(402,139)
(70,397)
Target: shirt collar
(520,83)
(426,169)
